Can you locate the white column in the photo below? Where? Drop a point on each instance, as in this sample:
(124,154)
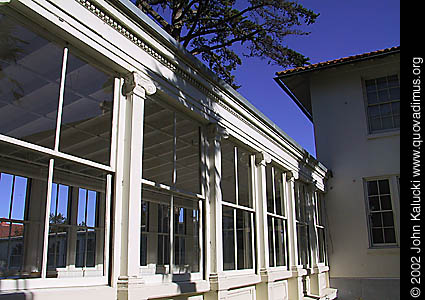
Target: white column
(214,209)
(292,228)
(135,88)
(261,159)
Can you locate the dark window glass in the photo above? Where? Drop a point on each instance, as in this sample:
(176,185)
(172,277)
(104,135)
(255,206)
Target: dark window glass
(23,188)
(228,176)
(30,70)
(228,239)
(87,111)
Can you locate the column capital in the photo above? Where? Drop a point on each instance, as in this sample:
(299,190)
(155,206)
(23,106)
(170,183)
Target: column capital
(216,131)
(262,158)
(136,83)
(291,176)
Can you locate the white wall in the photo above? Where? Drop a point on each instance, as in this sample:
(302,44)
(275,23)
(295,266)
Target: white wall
(345,147)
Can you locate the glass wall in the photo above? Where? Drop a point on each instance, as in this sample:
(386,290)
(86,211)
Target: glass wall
(171,195)
(237,210)
(53,97)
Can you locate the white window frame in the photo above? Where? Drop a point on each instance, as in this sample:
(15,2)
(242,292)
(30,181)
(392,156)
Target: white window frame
(367,104)
(319,210)
(394,195)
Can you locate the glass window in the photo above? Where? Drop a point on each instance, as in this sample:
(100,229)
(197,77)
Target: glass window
(23,188)
(30,71)
(302,197)
(320,228)
(171,219)
(381,217)
(31,68)
(237,220)
(171,148)
(276,217)
(383,103)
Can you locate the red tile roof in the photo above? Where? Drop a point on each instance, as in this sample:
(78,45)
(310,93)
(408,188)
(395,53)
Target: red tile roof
(17,230)
(339,61)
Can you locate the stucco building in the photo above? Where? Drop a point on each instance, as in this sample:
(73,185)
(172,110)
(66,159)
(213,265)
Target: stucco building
(354,104)
(129,171)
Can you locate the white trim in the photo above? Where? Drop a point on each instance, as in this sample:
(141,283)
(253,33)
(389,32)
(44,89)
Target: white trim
(57,154)
(61,95)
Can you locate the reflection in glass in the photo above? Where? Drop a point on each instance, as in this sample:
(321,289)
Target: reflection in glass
(87,111)
(186,236)
(22,205)
(244,239)
(155,232)
(228,176)
(228,239)
(280,243)
(244,184)
(158,144)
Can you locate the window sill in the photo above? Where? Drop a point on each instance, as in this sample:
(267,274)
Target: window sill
(378,135)
(384,250)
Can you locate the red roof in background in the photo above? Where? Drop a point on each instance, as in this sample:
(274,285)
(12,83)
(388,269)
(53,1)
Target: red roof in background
(338,61)
(17,230)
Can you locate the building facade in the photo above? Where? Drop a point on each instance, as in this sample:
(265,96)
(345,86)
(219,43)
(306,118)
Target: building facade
(129,171)
(354,103)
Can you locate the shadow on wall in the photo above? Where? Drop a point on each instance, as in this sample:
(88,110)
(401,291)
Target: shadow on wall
(16,296)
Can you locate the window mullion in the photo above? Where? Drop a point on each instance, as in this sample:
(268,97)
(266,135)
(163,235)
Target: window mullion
(61,96)
(46,220)
(235,153)
(235,237)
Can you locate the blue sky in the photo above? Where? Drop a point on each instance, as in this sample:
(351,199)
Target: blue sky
(344,28)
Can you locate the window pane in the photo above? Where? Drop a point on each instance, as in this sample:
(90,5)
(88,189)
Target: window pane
(389,235)
(372,97)
(187,155)
(271,243)
(393,80)
(57,249)
(244,239)
(386,202)
(395,93)
(381,83)
(27,183)
(387,219)
(374,203)
(228,180)
(377,236)
(303,244)
(370,85)
(280,232)
(269,189)
(30,69)
(87,111)
(376,220)
(384,186)
(383,96)
(375,124)
(244,175)
(155,242)
(373,111)
(6,188)
(387,122)
(186,236)
(385,109)
(322,244)
(158,144)
(228,239)
(395,106)
(372,188)
(81,196)
(280,208)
